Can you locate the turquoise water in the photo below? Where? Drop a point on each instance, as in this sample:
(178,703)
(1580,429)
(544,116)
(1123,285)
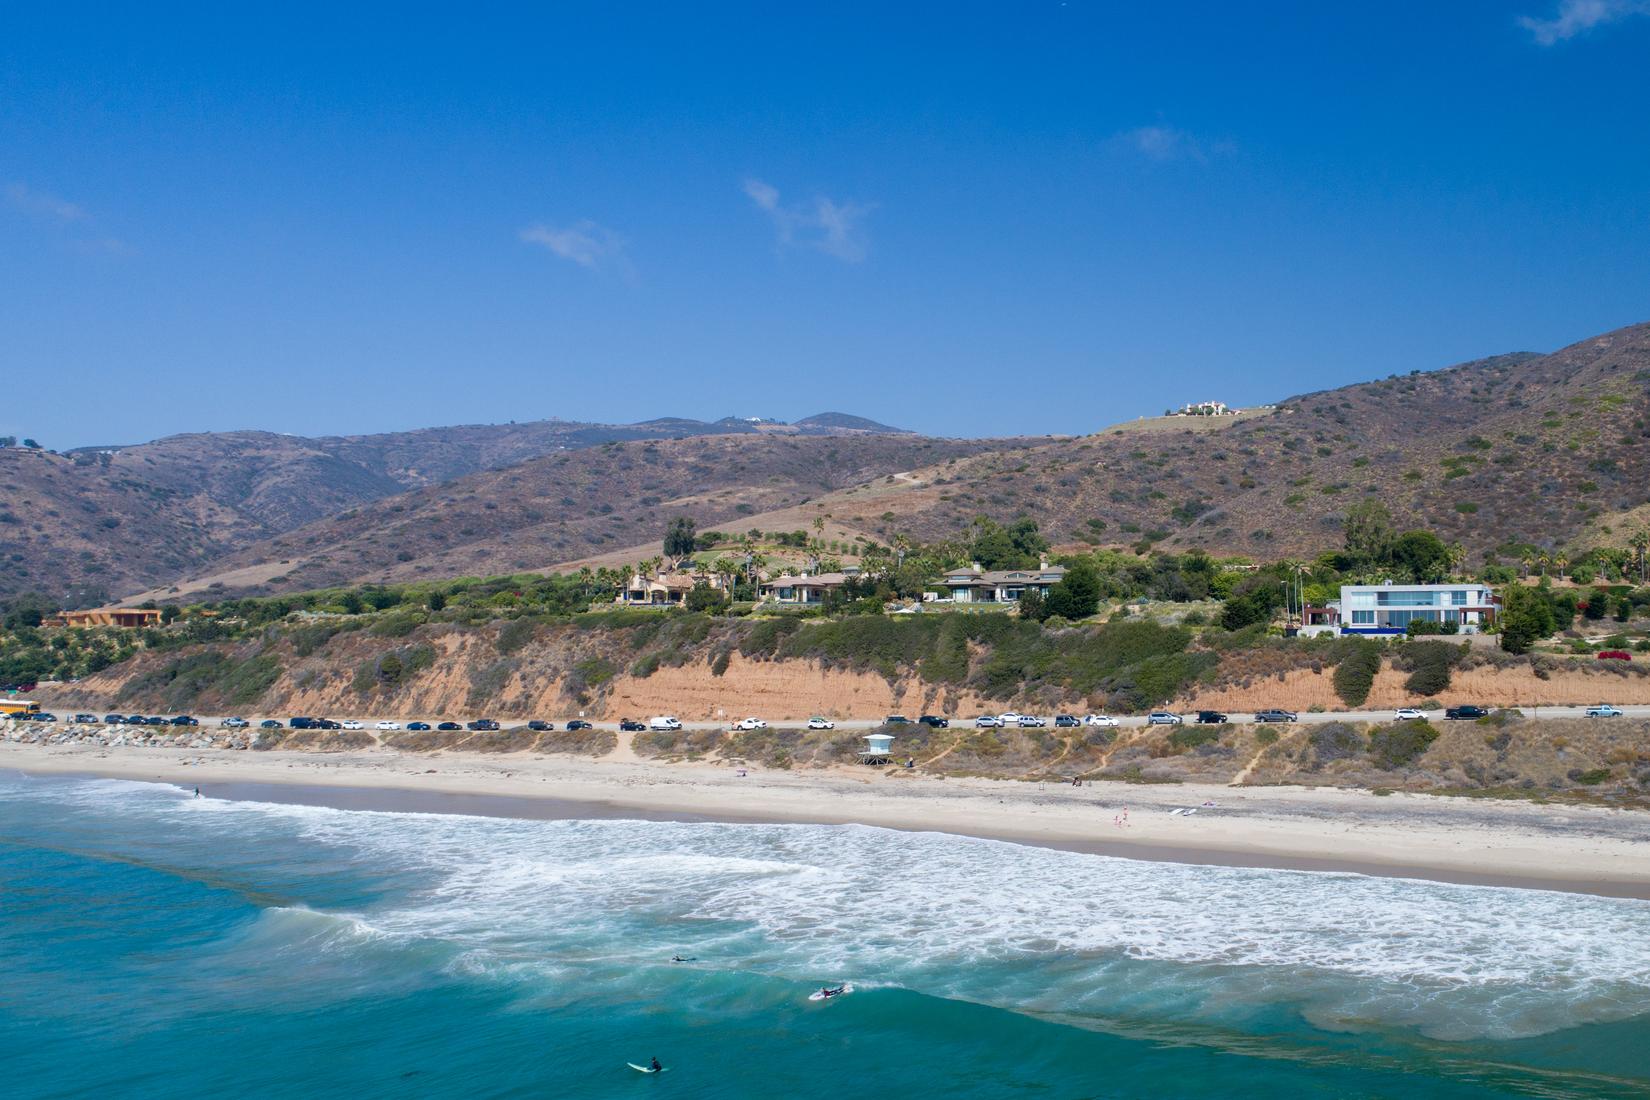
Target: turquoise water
(155,945)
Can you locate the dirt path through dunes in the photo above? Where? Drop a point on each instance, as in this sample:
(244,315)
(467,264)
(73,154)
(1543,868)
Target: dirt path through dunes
(1248,769)
(624,748)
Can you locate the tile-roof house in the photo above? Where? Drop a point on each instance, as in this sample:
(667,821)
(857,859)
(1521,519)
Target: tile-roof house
(803,589)
(975,585)
(662,591)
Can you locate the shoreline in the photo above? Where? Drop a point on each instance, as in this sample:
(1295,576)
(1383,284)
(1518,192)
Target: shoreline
(1574,849)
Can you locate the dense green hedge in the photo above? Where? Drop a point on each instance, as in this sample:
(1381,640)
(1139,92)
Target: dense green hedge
(1360,660)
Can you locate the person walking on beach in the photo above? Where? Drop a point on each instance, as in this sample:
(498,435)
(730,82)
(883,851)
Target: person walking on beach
(197,792)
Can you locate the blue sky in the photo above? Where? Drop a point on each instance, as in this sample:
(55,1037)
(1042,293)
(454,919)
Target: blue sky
(968,219)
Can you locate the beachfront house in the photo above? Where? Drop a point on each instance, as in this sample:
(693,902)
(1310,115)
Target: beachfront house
(1390,608)
(131,618)
(804,588)
(971,584)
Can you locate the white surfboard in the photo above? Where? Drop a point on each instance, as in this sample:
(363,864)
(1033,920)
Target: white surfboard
(646,1069)
(819,994)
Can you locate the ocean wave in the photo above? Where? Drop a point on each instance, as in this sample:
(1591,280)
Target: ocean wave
(1035,929)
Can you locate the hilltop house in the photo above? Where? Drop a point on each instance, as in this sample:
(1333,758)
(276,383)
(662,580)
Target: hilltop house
(972,584)
(1380,609)
(1205,408)
(805,588)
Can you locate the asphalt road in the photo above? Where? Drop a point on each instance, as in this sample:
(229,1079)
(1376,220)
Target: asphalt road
(1127,721)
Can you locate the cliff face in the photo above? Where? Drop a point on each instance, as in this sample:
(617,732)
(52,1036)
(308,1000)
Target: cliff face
(721,670)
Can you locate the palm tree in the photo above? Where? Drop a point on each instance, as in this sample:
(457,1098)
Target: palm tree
(1639,541)
(1527,563)
(1455,556)
(1559,562)
(1543,560)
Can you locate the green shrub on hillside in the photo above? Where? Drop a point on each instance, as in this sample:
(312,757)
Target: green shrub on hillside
(1430,664)
(1355,673)
(1401,744)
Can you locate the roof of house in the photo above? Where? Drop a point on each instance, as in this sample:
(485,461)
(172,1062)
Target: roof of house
(817,580)
(993,577)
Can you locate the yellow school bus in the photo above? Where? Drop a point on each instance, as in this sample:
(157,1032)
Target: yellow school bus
(18,707)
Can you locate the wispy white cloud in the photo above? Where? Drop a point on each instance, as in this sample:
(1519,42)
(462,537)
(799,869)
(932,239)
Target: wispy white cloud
(585,242)
(823,224)
(1166,143)
(42,205)
(1574,17)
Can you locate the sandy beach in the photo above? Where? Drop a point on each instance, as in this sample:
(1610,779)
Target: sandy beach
(1563,847)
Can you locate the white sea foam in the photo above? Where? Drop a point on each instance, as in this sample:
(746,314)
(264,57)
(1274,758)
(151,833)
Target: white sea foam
(1032,928)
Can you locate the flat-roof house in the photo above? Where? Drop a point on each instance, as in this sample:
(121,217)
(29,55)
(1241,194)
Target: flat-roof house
(805,588)
(975,585)
(129,617)
(1390,608)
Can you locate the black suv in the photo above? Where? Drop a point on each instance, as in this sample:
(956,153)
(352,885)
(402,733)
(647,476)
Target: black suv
(1066,721)
(185,720)
(629,725)
(483,724)
(581,724)
(540,725)
(302,723)
(934,721)
(1276,715)
(1469,711)
(114,719)
(1211,718)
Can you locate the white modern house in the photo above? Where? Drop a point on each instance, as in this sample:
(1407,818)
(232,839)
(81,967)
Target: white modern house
(1390,608)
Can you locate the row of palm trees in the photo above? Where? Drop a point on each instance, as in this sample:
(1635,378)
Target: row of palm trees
(1638,543)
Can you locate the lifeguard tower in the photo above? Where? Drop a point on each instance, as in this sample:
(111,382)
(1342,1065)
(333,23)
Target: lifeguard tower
(878,749)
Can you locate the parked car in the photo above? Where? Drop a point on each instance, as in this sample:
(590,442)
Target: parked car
(301,723)
(1455,714)
(540,725)
(750,724)
(327,724)
(185,720)
(934,721)
(896,720)
(269,724)
(114,719)
(234,723)
(1603,710)
(1274,714)
(155,720)
(581,724)
(988,722)
(353,724)
(86,719)
(1031,721)
(628,725)
(482,725)
(818,723)
(1408,714)
(1212,718)
(43,717)
(1009,718)
(666,723)
(448,726)
(418,726)
(389,725)
(1163,718)
(1104,721)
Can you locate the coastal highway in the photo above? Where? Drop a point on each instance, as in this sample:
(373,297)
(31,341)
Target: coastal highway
(961,721)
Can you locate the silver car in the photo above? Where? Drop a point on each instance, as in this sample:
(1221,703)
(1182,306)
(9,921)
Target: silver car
(1164,718)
